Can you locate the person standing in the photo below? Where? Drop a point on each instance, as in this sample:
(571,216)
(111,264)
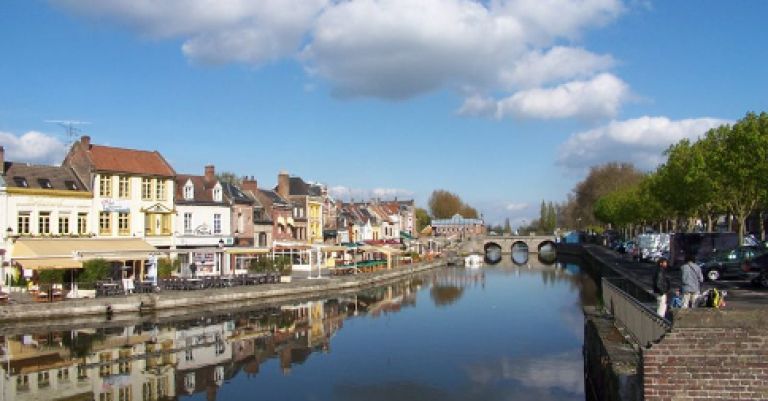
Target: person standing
(661,286)
(692,279)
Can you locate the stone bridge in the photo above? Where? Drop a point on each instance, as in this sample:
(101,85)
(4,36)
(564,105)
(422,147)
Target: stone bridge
(534,243)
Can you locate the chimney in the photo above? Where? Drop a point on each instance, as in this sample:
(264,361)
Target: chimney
(250,184)
(86,141)
(283,184)
(2,160)
(210,173)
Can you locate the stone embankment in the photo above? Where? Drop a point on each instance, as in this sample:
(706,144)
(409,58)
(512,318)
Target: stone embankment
(213,299)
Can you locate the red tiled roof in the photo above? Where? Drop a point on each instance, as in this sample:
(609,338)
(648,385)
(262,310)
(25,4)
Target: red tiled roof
(106,158)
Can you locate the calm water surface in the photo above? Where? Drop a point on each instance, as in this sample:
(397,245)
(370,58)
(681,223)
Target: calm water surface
(504,332)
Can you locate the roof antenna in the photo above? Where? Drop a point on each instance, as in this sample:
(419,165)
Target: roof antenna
(71,130)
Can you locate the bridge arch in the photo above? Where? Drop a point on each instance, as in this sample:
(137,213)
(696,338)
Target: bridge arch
(492,252)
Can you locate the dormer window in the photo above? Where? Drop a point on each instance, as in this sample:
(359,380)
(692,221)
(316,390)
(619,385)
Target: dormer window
(20,181)
(44,183)
(217,193)
(70,185)
(189,191)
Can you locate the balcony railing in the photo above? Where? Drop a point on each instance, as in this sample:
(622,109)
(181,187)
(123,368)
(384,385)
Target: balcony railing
(634,309)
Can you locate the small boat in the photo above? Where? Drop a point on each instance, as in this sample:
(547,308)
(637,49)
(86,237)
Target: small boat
(473,261)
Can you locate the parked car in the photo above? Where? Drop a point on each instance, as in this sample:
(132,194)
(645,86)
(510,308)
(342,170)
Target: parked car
(757,270)
(728,263)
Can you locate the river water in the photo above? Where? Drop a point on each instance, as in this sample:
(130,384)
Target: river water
(511,331)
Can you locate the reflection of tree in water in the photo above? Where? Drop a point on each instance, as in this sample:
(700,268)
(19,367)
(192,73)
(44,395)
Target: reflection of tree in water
(444,295)
(80,344)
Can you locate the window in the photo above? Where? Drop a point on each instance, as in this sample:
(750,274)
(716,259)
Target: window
(43,379)
(217,194)
(106,396)
(20,181)
(70,185)
(63,375)
(187,223)
(124,394)
(146,188)
(217,223)
(44,223)
(105,223)
(124,223)
(82,223)
(44,183)
(124,187)
(124,366)
(105,186)
(160,189)
(189,192)
(22,382)
(166,219)
(23,224)
(105,364)
(63,225)
(82,372)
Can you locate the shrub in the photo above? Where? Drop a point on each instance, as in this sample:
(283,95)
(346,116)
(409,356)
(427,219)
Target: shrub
(52,276)
(166,267)
(94,270)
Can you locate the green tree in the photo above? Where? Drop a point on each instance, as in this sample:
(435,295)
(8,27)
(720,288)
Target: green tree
(422,219)
(738,159)
(95,270)
(166,267)
(507,226)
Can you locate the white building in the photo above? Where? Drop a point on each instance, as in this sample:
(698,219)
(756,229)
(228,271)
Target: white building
(203,222)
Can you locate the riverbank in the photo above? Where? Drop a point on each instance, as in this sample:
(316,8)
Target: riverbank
(219,298)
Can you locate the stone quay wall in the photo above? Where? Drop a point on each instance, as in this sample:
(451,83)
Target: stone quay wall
(170,300)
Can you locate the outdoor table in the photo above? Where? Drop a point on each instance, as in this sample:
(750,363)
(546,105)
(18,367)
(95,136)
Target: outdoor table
(194,283)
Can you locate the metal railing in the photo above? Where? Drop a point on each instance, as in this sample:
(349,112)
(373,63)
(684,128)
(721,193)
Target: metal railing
(622,299)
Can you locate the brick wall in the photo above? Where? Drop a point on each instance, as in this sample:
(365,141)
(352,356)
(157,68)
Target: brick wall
(710,354)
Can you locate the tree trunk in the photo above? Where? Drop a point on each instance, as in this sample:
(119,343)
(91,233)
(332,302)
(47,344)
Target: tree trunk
(742,219)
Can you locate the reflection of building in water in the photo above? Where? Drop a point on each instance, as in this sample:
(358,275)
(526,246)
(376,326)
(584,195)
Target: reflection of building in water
(86,365)
(203,352)
(38,368)
(196,355)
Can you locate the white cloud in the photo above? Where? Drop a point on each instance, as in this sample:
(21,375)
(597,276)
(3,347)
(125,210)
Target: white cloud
(600,96)
(557,64)
(640,141)
(214,31)
(33,147)
(359,194)
(563,371)
(516,207)
(394,49)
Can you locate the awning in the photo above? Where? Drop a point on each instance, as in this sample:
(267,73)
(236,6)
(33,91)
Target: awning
(334,248)
(69,253)
(290,221)
(281,220)
(247,251)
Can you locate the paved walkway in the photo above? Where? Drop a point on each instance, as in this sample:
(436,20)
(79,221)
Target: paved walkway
(741,294)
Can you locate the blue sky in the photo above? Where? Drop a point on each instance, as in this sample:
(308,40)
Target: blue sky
(504,102)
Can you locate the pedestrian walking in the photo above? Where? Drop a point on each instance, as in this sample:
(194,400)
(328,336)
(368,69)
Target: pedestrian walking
(661,286)
(692,279)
